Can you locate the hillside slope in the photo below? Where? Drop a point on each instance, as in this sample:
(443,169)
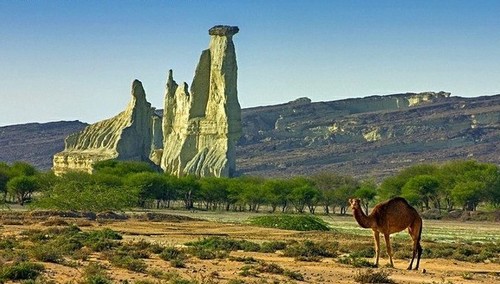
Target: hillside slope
(372,136)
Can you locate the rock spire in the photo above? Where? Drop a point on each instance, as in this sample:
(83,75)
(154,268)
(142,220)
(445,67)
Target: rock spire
(126,136)
(202,125)
(197,134)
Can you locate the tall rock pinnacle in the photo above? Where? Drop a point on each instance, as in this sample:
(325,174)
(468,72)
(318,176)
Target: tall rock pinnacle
(201,126)
(126,136)
(197,134)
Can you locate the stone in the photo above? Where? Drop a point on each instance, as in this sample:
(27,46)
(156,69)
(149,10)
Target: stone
(126,136)
(201,125)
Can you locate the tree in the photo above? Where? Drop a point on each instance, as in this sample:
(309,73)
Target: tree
(151,187)
(422,189)
(122,168)
(336,189)
(22,169)
(21,188)
(277,193)
(366,193)
(467,194)
(87,197)
(213,191)
(304,195)
(392,186)
(4,179)
(188,187)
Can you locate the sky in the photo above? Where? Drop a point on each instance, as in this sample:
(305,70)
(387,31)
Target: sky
(76,60)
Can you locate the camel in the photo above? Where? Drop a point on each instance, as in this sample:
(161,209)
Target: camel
(390,217)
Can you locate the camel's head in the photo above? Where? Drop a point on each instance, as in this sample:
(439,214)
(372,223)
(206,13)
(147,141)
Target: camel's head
(355,203)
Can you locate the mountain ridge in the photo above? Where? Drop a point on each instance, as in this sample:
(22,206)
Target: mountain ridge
(362,137)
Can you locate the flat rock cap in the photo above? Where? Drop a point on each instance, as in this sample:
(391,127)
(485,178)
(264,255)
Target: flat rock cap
(222,30)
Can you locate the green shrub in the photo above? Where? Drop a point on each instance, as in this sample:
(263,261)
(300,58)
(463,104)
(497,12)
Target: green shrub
(47,253)
(227,244)
(365,252)
(7,243)
(273,246)
(21,271)
(291,222)
(126,261)
(272,268)
(170,253)
(203,253)
(311,251)
(248,270)
(356,262)
(370,276)
(244,259)
(178,263)
(294,275)
(95,274)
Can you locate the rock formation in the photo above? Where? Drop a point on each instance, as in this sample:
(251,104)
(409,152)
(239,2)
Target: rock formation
(202,125)
(127,136)
(197,134)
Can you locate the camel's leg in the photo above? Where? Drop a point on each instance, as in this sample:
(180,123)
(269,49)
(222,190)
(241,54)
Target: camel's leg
(376,238)
(389,248)
(415,231)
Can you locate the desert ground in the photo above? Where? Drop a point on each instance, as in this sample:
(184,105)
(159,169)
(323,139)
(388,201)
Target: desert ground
(175,231)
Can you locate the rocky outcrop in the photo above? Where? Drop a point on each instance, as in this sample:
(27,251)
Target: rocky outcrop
(370,137)
(127,136)
(201,125)
(197,134)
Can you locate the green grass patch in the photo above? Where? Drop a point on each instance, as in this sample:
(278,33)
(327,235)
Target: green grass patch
(311,251)
(291,222)
(227,244)
(21,271)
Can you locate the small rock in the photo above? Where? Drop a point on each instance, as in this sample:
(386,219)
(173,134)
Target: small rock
(423,270)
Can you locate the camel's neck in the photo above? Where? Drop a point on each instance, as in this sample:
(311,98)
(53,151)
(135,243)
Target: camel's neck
(363,220)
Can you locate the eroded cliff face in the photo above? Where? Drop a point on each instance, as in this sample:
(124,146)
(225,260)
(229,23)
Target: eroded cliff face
(202,125)
(127,136)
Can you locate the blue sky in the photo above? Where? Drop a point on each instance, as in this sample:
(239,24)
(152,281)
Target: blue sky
(76,60)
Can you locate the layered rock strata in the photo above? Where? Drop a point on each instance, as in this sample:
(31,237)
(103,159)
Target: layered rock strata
(127,136)
(202,124)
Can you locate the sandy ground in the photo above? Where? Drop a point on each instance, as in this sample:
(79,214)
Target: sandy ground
(328,270)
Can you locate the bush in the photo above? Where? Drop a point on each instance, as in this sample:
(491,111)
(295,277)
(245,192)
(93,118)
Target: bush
(294,275)
(203,253)
(271,247)
(21,271)
(291,222)
(311,251)
(94,273)
(356,262)
(7,243)
(219,243)
(170,253)
(370,276)
(270,268)
(47,253)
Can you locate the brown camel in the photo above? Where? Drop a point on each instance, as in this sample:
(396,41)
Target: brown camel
(390,217)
